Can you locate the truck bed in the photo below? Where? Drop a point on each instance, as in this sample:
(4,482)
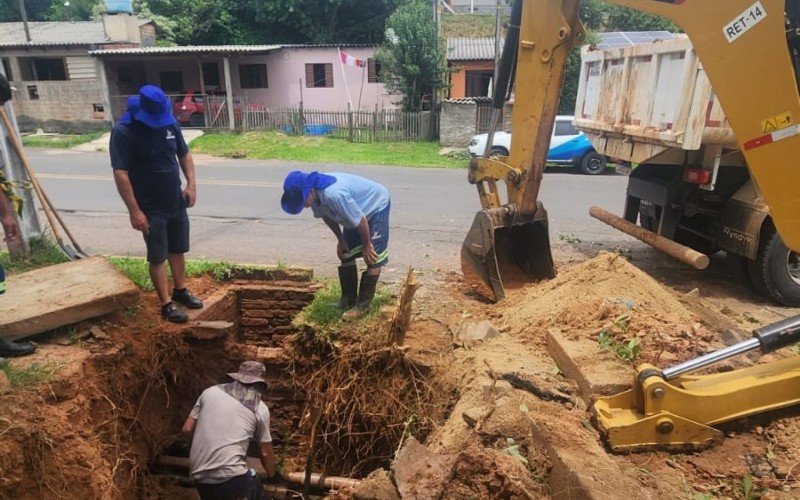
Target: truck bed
(636,103)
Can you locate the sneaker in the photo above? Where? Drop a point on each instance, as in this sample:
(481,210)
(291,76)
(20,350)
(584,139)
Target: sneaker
(15,349)
(171,313)
(186,298)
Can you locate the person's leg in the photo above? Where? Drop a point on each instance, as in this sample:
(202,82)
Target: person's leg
(348,271)
(379,229)
(178,244)
(8,348)
(157,254)
(158,275)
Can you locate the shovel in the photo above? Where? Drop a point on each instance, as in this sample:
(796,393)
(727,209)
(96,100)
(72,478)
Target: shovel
(509,244)
(53,217)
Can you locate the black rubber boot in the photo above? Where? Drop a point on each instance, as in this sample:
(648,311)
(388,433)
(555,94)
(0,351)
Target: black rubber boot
(348,281)
(366,292)
(11,349)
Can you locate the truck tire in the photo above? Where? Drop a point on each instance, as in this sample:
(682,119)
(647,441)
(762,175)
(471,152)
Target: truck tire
(776,271)
(593,163)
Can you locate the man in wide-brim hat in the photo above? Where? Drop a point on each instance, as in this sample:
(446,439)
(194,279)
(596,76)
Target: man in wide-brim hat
(225,418)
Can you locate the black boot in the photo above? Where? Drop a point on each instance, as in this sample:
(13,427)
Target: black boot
(348,281)
(366,292)
(11,349)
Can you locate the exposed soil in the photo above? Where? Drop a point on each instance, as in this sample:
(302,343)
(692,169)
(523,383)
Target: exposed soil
(117,402)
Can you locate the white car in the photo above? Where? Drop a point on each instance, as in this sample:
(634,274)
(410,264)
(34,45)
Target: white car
(567,146)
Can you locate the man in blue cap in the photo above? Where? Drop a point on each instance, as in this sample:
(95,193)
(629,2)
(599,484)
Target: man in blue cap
(148,153)
(357,211)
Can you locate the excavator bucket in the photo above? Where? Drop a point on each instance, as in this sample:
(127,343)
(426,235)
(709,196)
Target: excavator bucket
(503,248)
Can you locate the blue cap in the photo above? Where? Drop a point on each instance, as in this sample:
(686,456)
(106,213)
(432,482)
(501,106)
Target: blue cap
(155,109)
(133,106)
(296,189)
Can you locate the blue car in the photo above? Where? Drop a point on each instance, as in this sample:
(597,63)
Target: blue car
(568,146)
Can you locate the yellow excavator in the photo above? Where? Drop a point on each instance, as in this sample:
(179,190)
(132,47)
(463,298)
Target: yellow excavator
(750,50)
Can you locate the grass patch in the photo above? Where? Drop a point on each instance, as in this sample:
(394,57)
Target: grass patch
(60,141)
(44,252)
(471,25)
(33,374)
(274,145)
(137,269)
(324,310)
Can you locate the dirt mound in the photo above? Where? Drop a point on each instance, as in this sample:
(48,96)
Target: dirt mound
(610,301)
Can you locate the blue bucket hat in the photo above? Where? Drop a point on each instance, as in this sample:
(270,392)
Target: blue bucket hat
(155,109)
(133,106)
(297,186)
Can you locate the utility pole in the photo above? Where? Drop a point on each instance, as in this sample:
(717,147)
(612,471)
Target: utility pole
(497,47)
(437,20)
(24,15)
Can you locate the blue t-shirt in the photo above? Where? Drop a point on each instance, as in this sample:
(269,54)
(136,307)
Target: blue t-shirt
(150,155)
(349,199)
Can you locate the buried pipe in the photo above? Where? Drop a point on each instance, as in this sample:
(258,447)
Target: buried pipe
(317,480)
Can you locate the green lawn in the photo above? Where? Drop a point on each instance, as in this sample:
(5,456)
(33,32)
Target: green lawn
(274,145)
(44,252)
(59,140)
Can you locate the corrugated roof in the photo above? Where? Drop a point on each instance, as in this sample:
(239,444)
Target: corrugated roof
(470,49)
(186,49)
(217,49)
(467,100)
(53,33)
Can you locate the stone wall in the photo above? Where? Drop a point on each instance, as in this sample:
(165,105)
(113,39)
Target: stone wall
(62,106)
(457,124)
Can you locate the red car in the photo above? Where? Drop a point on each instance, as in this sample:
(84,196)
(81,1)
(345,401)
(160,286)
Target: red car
(189,109)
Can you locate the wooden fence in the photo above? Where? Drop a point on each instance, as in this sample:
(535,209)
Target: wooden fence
(355,126)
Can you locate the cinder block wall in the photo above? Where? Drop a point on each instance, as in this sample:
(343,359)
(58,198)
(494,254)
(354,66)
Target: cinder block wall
(456,124)
(63,106)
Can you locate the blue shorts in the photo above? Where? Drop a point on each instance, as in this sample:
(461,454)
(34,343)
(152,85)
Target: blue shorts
(379,229)
(169,233)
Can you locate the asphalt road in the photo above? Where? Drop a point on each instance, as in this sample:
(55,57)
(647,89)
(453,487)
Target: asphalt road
(238,217)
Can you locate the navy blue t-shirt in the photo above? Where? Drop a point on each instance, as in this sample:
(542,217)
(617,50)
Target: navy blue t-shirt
(150,155)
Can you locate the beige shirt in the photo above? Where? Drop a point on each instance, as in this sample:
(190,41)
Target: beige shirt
(223,430)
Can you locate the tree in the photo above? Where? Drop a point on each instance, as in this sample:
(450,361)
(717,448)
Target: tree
(412,57)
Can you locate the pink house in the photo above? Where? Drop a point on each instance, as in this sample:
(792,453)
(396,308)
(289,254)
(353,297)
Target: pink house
(322,77)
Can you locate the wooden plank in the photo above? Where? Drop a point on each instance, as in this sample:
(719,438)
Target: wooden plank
(55,296)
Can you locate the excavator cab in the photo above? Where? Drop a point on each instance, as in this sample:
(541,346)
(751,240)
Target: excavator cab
(509,243)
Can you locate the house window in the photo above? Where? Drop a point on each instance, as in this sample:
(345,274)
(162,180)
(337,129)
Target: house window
(253,76)
(565,128)
(211,76)
(43,68)
(319,75)
(7,69)
(33,93)
(374,69)
(171,81)
(478,83)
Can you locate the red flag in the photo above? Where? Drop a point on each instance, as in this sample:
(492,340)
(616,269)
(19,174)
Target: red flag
(349,60)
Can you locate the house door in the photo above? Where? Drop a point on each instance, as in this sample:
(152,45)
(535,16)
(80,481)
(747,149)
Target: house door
(477,84)
(211,77)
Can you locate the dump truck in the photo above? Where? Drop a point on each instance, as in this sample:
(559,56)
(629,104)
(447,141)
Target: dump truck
(653,106)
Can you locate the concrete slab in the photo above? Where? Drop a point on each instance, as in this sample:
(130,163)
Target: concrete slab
(597,372)
(101,144)
(41,300)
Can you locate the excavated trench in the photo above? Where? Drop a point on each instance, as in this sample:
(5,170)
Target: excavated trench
(111,429)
